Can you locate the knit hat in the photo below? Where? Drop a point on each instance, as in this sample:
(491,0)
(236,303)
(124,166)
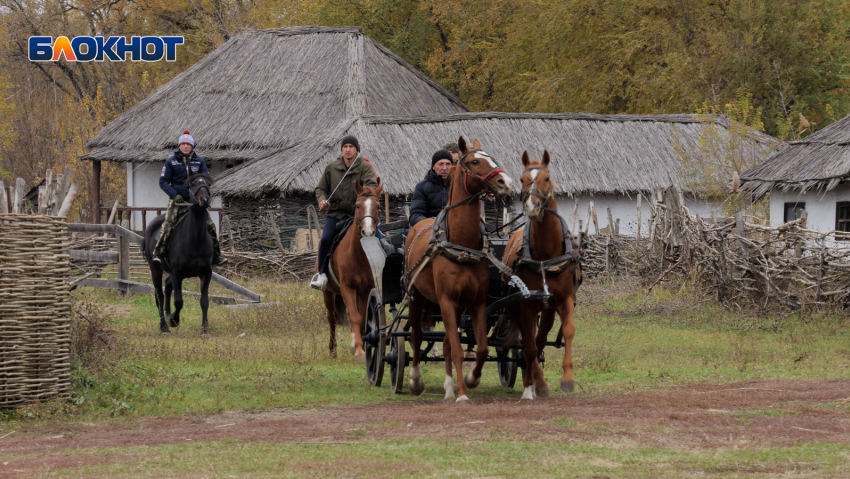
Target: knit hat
(441,155)
(186,138)
(452,146)
(350,140)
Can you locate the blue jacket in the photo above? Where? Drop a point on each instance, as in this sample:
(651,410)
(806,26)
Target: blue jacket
(174,173)
(429,197)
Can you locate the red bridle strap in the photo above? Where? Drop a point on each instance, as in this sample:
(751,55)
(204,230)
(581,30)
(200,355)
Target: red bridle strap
(467,172)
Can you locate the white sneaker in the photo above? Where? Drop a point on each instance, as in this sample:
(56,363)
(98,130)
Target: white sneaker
(319,281)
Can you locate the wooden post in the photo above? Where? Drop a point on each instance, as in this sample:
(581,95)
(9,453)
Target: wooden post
(595,219)
(739,224)
(69,200)
(610,222)
(4,202)
(575,217)
(95,192)
(226,224)
(123,262)
(617,227)
(66,181)
(17,203)
(638,216)
(275,232)
(386,213)
(112,213)
(820,267)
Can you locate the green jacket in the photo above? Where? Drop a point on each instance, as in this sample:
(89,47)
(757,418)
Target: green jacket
(342,202)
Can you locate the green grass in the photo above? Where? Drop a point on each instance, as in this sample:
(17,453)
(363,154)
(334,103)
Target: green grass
(488,457)
(627,340)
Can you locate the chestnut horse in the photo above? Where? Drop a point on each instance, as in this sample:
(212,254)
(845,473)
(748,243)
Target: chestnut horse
(454,286)
(352,269)
(547,243)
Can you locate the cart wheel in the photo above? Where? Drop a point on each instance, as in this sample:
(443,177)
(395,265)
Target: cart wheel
(374,339)
(507,366)
(399,361)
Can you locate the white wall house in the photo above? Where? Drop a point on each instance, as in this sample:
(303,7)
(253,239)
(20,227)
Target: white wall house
(827,210)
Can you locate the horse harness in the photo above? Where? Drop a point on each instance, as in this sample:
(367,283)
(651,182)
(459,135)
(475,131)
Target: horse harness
(439,241)
(552,266)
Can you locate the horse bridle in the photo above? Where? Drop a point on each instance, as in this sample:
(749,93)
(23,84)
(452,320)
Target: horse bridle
(467,172)
(533,190)
(376,220)
(203,185)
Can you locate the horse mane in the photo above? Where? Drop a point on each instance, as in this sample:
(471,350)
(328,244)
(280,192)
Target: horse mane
(206,176)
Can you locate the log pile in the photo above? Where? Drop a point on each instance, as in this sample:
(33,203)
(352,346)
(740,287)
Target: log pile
(35,312)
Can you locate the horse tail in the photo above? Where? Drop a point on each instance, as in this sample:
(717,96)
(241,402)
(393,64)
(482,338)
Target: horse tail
(340,311)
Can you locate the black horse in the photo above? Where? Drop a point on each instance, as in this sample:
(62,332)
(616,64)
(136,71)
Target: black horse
(189,254)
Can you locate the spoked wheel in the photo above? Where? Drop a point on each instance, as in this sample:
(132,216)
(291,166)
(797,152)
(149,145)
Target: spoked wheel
(374,341)
(507,366)
(398,361)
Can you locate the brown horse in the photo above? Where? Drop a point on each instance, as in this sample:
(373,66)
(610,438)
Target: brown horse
(547,242)
(454,286)
(352,269)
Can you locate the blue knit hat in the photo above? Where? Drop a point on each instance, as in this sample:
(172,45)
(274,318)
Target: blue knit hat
(186,138)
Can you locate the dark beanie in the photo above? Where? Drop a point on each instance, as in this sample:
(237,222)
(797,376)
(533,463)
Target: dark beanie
(350,140)
(441,155)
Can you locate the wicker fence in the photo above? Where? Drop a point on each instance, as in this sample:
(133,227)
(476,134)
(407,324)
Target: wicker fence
(35,312)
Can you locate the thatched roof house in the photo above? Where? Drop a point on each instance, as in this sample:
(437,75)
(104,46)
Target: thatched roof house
(593,154)
(821,161)
(265,91)
(808,175)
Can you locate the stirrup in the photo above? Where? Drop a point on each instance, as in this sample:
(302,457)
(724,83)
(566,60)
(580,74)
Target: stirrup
(157,260)
(219,261)
(319,281)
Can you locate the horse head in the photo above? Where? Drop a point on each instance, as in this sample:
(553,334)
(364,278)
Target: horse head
(199,187)
(477,164)
(366,213)
(538,191)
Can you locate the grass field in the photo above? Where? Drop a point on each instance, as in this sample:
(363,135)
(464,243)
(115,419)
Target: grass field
(627,342)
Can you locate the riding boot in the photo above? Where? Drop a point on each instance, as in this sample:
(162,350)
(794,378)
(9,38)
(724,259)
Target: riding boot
(165,231)
(217,259)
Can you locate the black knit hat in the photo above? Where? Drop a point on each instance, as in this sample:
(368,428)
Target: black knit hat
(441,155)
(350,140)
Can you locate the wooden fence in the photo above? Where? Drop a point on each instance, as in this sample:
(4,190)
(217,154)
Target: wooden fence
(122,258)
(35,312)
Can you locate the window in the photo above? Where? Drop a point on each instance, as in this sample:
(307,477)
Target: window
(842,219)
(793,211)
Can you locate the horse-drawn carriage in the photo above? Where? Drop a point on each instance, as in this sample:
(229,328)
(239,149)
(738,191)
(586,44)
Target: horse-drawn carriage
(385,341)
(448,263)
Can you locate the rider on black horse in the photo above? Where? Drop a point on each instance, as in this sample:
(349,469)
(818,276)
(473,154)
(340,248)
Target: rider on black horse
(182,164)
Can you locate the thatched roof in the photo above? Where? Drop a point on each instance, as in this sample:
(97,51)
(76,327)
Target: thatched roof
(264,91)
(820,161)
(591,153)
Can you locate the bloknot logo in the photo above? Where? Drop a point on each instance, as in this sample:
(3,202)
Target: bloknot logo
(98,49)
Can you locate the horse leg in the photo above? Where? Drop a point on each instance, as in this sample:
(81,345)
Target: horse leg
(356,322)
(168,289)
(479,326)
(565,311)
(330,304)
(177,284)
(205,302)
(156,276)
(415,311)
(547,319)
(451,313)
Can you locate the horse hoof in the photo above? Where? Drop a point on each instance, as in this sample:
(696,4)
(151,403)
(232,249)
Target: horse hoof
(174,322)
(165,333)
(470,380)
(360,359)
(567,386)
(463,400)
(416,386)
(528,394)
(542,391)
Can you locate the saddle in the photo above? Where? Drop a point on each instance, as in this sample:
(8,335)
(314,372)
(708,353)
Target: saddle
(341,229)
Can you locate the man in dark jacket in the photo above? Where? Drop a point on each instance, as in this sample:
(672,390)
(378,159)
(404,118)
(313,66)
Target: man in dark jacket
(432,193)
(335,193)
(182,164)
